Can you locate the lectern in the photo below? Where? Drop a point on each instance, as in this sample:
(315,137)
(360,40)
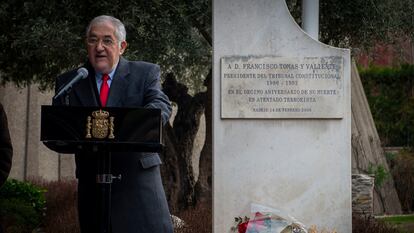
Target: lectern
(68,129)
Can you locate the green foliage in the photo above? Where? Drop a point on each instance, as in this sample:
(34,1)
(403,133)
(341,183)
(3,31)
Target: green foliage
(380,174)
(359,23)
(390,156)
(22,205)
(390,95)
(402,170)
(24,191)
(42,38)
(39,39)
(18,216)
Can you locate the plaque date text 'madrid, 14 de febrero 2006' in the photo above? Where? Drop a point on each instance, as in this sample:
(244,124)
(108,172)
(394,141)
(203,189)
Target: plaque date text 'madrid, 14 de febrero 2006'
(282,87)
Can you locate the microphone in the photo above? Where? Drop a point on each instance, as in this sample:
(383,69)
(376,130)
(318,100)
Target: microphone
(82,74)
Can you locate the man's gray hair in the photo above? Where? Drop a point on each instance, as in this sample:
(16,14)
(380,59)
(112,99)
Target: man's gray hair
(120,32)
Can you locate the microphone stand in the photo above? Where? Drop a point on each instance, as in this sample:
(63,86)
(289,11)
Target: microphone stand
(66,93)
(67,102)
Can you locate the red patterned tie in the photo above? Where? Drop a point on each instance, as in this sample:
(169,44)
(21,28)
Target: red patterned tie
(104,90)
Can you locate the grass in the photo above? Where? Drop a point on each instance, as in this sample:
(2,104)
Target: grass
(397,219)
(404,223)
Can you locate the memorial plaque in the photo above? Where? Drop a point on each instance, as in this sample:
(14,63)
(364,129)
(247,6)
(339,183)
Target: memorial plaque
(282,87)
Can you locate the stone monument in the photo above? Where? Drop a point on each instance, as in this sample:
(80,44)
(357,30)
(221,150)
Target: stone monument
(281,118)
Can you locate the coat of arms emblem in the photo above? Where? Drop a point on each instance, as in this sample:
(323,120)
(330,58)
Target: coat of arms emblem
(101,126)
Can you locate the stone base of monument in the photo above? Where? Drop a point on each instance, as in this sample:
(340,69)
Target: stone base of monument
(362,194)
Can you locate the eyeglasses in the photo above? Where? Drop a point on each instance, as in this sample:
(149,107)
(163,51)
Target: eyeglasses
(107,42)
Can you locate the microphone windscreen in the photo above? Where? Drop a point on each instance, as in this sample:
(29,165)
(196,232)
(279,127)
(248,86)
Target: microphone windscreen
(83,71)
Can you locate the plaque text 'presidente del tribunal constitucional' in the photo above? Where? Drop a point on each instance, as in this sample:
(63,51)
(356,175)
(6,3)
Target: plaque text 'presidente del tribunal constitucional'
(282,87)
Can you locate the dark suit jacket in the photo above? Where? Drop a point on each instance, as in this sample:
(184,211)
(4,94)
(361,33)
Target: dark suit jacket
(138,199)
(6,149)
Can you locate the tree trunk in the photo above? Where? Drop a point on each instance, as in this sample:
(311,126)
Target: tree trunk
(177,170)
(204,182)
(171,170)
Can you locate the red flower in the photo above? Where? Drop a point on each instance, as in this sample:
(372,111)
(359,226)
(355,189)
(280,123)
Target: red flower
(242,227)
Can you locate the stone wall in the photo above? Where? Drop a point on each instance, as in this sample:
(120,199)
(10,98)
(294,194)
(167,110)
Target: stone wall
(362,194)
(30,157)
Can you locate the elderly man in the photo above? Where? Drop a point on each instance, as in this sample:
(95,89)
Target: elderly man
(138,199)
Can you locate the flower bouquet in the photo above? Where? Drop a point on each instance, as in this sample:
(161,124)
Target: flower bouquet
(267,220)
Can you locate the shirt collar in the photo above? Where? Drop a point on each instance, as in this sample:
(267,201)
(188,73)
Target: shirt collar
(98,76)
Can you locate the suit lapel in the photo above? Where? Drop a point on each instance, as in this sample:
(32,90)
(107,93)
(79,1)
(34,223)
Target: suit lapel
(118,85)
